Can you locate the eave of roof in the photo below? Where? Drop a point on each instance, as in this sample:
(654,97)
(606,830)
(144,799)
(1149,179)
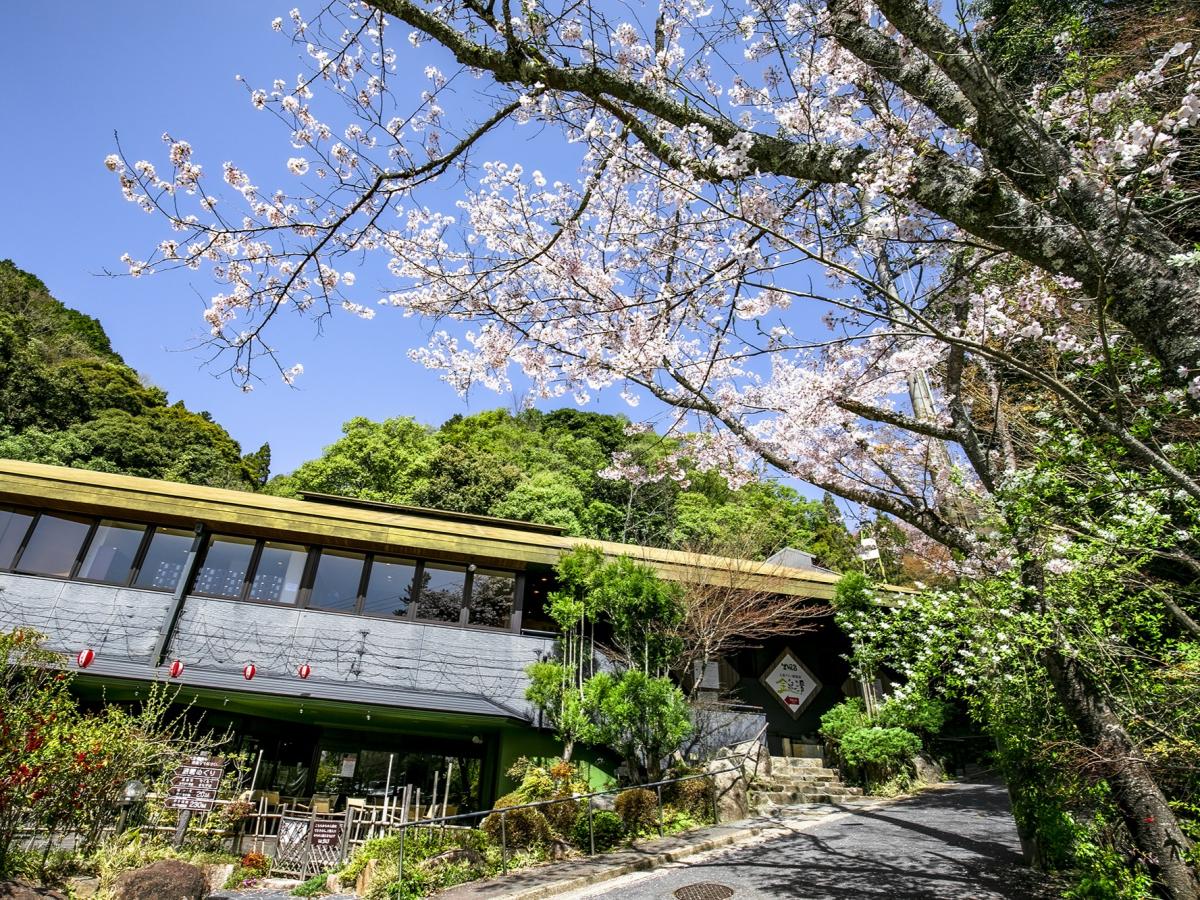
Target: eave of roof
(484,541)
(473,706)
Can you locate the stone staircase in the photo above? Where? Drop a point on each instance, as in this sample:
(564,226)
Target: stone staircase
(794,780)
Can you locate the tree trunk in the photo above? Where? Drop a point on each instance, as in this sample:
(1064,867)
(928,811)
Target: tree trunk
(1155,830)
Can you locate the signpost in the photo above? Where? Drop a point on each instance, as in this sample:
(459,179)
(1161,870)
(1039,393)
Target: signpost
(326,833)
(791,683)
(194,786)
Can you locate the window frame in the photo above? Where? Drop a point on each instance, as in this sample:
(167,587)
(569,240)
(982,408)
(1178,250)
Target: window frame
(136,570)
(304,599)
(418,569)
(61,514)
(34,515)
(134,567)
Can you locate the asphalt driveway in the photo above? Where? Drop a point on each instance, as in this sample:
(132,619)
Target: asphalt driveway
(958,841)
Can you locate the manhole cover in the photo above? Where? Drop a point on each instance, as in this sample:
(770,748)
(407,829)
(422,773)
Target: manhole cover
(704,891)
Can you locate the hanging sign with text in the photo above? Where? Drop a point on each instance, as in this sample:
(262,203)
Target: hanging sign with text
(195,783)
(791,683)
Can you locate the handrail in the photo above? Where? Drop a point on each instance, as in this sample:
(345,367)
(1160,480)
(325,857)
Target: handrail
(575,798)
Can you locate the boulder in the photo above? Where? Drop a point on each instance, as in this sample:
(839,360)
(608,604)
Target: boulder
(23,890)
(928,770)
(167,879)
(83,886)
(216,874)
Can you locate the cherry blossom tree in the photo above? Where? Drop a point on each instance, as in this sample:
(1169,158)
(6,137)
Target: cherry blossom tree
(742,171)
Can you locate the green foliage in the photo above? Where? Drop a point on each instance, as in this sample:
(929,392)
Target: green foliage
(839,720)
(606,829)
(694,797)
(555,779)
(543,467)
(920,714)
(640,717)
(67,399)
(314,887)
(638,809)
(887,749)
(518,828)
(61,770)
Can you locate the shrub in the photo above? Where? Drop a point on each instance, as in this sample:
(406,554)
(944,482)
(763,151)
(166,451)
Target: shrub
(256,861)
(562,815)
(606,827)
(518,828)
(846,716)
(920,714)
(887,749)
(692,797)
(638,809)
(311,888)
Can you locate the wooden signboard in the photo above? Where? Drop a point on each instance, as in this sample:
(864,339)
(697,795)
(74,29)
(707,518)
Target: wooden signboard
(326,833)
(195,783)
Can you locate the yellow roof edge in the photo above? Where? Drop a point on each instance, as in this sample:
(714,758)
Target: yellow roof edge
(263,512)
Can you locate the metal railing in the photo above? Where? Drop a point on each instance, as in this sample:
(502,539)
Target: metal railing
(462,818)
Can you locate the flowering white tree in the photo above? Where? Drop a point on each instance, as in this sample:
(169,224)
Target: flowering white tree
(739,167)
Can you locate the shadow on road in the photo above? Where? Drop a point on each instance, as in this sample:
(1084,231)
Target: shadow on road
(938,844)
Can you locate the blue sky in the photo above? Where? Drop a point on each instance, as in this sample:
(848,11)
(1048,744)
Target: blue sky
(80,72)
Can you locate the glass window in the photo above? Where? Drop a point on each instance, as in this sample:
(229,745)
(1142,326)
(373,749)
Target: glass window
(336,583)
(162,566)
(441,596)
(111,553)
(54,545)
(13,526)
(492,598)
(390,586)
(225,564)
(277,575)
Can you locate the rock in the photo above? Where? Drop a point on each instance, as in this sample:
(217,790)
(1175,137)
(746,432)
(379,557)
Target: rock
(928,770)
(333,884)
(216,874)
(454,855)
(167,879)
(362,884)
(83,886)
(604,801)
(732,770)
(559,849)
(23,890)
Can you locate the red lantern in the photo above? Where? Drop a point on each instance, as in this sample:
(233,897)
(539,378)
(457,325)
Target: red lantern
(304,671)
(85,657)
(176,668)
(249,671)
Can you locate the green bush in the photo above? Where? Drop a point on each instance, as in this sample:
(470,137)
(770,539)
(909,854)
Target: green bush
(846,716)
(518,828)
(692,797)
(888,749)
(314,887)
(606,826)
(638,809)
(562,815)
(920,714)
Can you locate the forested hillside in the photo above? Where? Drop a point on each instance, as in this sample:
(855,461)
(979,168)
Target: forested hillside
(545,467)
(68,399)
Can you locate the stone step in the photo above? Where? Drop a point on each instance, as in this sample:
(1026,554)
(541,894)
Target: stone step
(797,762)
(816,795)
(811,772)
(792,784)
(802,751)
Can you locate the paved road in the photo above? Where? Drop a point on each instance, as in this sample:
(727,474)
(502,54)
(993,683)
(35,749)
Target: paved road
(955,841)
